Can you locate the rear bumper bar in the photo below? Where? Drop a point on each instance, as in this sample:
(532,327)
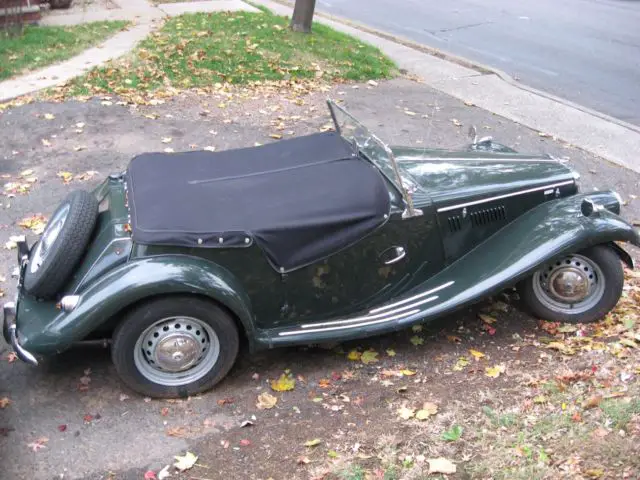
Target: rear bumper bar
(11,335)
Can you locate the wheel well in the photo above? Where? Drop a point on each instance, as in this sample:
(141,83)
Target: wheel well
(622,253)
(113,321)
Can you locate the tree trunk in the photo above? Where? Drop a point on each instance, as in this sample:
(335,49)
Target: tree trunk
(302,15)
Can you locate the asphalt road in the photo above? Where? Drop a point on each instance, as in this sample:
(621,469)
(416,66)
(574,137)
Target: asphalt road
(586,51)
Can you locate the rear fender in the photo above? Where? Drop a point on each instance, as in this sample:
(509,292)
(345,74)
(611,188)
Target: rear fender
(42,331)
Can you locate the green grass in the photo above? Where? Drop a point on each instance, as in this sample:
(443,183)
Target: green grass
(620,412)
(203,49)
(38,47)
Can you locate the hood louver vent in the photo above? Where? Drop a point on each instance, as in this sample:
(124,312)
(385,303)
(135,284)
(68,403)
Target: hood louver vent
(488,215)
(455,223)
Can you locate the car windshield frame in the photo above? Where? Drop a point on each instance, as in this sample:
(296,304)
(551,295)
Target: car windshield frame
(367,144)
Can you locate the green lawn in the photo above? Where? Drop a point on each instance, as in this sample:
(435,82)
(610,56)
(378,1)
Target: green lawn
(41,46)
(204,49)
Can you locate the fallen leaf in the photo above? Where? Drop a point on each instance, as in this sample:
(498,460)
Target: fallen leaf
(166,139)
(38,445)
(454,339)
(302,460)
(495,371)
(461,363)
(543,135)
(406,413)
(456,122)
(441,465)
(79,148)
(313,443)
(210,148)
(245,442)
(12,357)
(354,355)
(391,352)
(185,462)
(369,356)
(561,347)
(416,340)
(592,402)
(169,150)
(26,173)
(150,475)
(4,402)
(164,473)
(285,383)
(35,223)
(410,113)
(407,372)
(49,116)
(277,136)
(476,354)
(45,142)
(469,104)
(62,428)
(488,319)
(266,401)
(65,176)
(373,83)
(428,409)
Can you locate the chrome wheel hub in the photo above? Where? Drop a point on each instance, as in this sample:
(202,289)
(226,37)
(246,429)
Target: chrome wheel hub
(573,285)
(176,351)
(49,236)
(569,284)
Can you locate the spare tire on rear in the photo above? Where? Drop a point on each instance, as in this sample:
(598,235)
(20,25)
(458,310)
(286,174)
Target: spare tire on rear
(62,245)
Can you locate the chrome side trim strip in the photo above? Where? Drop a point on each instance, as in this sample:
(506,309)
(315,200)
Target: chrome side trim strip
(342,327)
(478,159)
(415,297)
(369,317)
(506,195)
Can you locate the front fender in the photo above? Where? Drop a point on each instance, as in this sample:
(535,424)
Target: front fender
(547,232)
(43,330)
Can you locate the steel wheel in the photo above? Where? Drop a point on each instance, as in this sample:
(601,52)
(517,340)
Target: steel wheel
(572,285)
(579,288)
(176,351)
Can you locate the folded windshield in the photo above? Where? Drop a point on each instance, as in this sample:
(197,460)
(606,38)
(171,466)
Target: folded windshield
(373,149)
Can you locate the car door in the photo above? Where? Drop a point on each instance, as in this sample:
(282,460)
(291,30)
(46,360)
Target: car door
(380,266)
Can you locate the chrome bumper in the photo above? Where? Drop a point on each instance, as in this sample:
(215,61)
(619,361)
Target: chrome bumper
(11,335)
(9,327)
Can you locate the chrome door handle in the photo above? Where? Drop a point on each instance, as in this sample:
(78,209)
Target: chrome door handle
(400,254)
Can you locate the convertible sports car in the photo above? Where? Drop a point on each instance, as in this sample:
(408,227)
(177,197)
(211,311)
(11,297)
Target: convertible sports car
(325,237)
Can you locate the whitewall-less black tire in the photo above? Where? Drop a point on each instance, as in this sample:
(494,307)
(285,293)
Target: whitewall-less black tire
(578,288)
(174,346)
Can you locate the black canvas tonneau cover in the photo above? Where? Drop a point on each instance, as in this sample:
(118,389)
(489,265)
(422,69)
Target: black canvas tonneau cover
(300,200)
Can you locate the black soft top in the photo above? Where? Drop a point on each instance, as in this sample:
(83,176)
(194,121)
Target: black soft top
(300,200)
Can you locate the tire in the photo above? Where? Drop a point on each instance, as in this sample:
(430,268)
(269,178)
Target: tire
(51,265)
(606,279)
(187,318)
(60,3)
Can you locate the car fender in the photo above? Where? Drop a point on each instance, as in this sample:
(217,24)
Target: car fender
(545,233)
(124,286)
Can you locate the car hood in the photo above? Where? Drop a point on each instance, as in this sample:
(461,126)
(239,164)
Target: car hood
(448,177)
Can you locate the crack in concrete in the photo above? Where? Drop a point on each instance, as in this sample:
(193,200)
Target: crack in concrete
(461,27)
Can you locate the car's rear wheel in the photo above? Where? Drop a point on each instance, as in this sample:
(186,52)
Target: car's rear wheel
(174,347)
(579,288)
(62,244)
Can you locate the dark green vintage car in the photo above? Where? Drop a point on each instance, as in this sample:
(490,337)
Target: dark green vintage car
(326,237)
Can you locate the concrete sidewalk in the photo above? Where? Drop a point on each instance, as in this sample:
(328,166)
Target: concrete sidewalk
(607,138)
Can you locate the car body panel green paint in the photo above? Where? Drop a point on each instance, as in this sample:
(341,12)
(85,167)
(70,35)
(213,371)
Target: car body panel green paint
(488,219)
(46,329)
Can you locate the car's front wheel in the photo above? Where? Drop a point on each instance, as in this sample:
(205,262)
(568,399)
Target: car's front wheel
(579,288)
(174,347)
